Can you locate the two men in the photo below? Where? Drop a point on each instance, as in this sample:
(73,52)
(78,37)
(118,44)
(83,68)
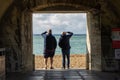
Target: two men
(50,44)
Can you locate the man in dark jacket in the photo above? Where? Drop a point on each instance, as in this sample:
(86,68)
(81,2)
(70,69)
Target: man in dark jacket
(64,44)
(50,45)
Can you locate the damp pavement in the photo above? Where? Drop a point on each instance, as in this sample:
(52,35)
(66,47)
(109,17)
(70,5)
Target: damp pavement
(66,74)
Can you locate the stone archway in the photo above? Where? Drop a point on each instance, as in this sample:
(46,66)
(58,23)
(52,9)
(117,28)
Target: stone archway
(93,32)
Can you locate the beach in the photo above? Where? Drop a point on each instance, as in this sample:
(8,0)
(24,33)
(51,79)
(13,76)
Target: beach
(76,61)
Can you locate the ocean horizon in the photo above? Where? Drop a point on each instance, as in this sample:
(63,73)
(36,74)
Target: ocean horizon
(77,42)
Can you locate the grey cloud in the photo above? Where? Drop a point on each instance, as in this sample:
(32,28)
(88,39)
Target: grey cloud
(59,22)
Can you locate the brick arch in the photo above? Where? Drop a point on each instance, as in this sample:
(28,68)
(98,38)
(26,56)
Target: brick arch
(70,5)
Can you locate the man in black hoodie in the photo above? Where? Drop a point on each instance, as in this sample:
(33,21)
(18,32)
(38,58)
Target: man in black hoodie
(50,45)
(64,44)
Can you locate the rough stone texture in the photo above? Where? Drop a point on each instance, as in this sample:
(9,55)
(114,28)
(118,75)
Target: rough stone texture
(27,57)
(16,29)
(109,19)
(95,41)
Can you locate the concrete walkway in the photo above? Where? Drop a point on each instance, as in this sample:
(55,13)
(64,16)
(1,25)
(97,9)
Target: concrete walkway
(59,74)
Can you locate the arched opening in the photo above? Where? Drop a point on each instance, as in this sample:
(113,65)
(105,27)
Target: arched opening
(93,47)
(75,22)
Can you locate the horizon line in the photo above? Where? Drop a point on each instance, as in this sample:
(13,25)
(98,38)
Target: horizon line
(81,33)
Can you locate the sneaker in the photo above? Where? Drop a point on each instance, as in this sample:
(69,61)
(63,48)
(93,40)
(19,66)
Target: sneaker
(68,68)
(45,67)
(51,68)
(63,67)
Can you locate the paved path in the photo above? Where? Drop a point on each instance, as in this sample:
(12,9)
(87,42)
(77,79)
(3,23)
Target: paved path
(59,74)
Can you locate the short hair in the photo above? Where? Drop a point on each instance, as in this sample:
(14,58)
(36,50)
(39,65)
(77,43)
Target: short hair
(49,31)
(63,33)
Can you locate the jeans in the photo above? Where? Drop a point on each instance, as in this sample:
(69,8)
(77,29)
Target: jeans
(65,54)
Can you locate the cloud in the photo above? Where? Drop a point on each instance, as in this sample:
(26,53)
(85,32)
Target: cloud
(58,22)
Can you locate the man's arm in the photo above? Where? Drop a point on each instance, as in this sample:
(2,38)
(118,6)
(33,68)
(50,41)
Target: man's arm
(44,33)
(70,33)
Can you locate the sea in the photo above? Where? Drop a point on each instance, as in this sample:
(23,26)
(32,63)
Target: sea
(77,42)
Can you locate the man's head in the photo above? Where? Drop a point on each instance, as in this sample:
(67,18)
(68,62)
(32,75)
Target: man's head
(63,33)
(49,31)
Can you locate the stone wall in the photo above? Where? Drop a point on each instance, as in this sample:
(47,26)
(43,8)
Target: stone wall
(15,37)
(109,20)
(10,33)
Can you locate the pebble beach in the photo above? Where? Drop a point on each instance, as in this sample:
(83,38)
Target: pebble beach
(77,61)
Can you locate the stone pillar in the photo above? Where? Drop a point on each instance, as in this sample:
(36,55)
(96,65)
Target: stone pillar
(26,36)
(88,45)
(93,42)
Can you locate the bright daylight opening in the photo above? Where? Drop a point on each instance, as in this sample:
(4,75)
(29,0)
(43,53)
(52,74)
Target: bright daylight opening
(59,22)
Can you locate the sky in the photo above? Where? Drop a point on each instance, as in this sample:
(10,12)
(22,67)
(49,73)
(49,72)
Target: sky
(59,22)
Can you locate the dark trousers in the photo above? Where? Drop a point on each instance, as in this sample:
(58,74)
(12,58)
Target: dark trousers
(65,55)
